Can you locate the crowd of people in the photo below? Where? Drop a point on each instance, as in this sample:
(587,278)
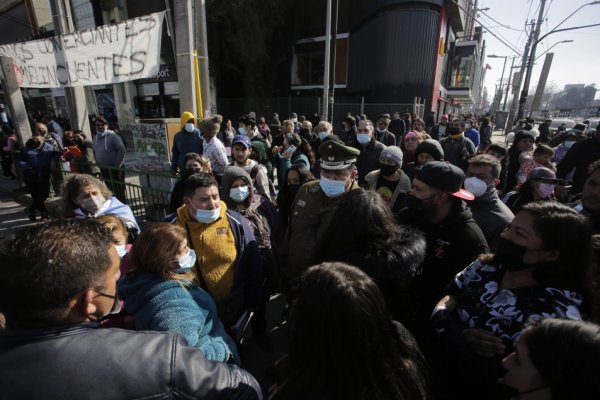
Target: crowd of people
(417,261)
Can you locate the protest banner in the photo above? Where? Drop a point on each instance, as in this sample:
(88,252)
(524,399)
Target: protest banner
(106,54)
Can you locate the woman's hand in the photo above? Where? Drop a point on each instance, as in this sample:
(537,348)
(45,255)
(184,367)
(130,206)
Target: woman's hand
(484,343)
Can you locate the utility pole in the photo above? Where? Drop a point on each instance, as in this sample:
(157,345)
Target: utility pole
(530,61)
(333,57)
(202,46)
(184,35)
(510,73)
(541,86)
(74,96)
(517,85)
(327,62)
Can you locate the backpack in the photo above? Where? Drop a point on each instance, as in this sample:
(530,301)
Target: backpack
(253,174)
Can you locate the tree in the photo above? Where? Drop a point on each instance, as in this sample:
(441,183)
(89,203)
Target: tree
(248,40)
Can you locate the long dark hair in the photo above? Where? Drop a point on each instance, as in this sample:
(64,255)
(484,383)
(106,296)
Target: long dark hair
(303,146)
(369,226)
(566,354)
(344,344)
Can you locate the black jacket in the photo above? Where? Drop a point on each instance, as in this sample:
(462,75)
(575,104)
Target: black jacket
(580,156)
(82,362)
(452,245)
(368,159)
(492,215)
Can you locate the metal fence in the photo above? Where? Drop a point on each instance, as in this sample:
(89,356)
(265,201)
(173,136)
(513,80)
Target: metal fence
(145,192)
(309,105)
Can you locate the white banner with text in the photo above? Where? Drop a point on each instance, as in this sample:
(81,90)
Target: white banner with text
(107,54)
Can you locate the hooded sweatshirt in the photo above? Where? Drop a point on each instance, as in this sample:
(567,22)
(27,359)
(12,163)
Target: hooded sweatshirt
(109,149)
(185,142)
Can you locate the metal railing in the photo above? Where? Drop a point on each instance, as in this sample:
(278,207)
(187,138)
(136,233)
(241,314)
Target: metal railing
(145,192)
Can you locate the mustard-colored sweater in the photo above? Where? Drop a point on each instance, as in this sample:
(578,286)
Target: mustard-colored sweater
(215,249)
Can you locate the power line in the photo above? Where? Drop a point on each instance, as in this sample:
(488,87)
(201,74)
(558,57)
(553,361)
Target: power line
(485,27)
(502,36)
(499,23)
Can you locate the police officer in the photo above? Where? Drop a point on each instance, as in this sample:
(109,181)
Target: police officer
(314,207)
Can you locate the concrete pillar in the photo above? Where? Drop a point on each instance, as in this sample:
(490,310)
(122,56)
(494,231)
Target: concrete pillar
(15,103)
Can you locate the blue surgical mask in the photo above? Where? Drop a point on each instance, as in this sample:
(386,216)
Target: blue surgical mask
(242,131)
(189,127)
(186,263)
(121,250)
(363,138)
(332,188)
(323,135)
(239,194)
(208,216)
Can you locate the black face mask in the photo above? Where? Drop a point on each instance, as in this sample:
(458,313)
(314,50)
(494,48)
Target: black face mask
(387,170)
(191,171)
(510,255)
(304,132)
(292,190)
(421,206)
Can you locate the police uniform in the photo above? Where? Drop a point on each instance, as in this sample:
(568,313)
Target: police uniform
(312,213)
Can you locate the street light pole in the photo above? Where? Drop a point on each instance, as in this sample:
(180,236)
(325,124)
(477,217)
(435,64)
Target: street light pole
(536,35)
(496,96)
(510,73)
(550,48)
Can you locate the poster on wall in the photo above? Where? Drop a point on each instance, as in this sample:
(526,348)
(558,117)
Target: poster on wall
(106,54)
(151,152)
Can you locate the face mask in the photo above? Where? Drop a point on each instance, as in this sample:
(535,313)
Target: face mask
(186,263)
(101,131)
(332,188)
(467,126)
(189,127)
(387,170)
(476,186)
(239,194)
(242,131)
(380,130)
(191,171)
(422,206)
(510,255)
(363,138)
(323,135)
(545,190)
(292,190)
(568,144)
(93,204)
(208,216)
(121,250)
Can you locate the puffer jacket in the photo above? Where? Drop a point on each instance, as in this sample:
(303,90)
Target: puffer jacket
(82,362)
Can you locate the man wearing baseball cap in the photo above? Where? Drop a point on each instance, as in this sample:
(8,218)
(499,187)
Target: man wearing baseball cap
(241,148)
(313,208)
(436,207)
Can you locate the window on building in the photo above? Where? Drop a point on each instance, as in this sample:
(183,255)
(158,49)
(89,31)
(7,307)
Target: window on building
(309,61)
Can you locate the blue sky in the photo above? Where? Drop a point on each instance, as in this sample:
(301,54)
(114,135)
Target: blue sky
(576,62)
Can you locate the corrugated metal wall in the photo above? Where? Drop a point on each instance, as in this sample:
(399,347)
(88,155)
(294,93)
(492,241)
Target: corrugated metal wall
(392,55)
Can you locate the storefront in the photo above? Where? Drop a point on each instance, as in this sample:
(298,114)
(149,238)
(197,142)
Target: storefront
(158,96)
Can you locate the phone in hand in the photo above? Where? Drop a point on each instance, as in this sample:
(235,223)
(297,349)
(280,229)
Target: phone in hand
(290,150)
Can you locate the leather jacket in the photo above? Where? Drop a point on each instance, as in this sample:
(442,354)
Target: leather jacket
(83,362)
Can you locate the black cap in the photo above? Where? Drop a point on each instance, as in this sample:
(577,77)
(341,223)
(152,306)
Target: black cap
(445,177)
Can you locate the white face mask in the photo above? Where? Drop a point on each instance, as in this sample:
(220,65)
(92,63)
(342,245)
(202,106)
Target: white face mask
(121,250)
(476,186)
(467,126)
(93,204)
(189,127)
(568,144)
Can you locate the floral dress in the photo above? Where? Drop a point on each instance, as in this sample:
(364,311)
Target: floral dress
(506,312)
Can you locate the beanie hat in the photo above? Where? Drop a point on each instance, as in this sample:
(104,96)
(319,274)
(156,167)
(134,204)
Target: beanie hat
(432,147)
(393,153)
